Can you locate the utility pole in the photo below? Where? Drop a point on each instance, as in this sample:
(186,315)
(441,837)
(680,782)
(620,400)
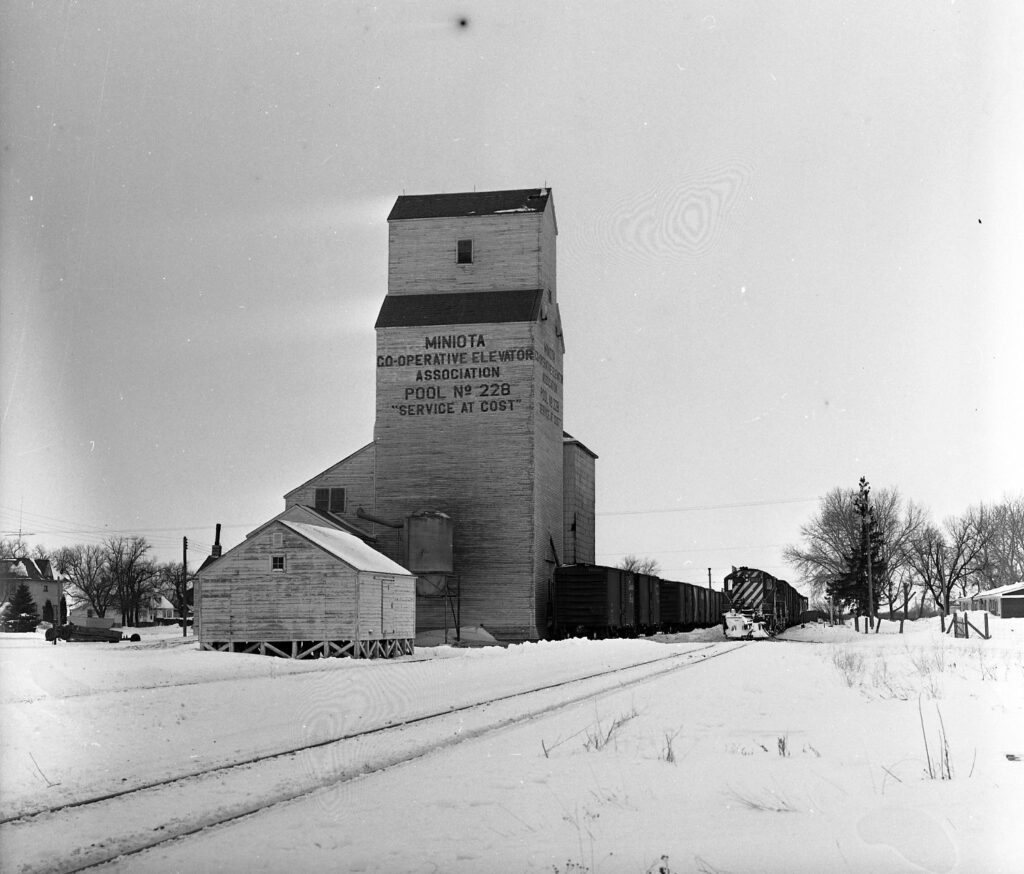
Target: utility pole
(709,578)
(863,503)
(184,585)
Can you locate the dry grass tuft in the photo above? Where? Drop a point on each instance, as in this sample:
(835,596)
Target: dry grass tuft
(850,664)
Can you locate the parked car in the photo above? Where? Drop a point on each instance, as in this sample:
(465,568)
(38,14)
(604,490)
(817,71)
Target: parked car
(85,633)
(21,623)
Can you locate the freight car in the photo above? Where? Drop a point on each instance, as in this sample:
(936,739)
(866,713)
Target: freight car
(598,601)
(685,606)
(763,598)
(594,601)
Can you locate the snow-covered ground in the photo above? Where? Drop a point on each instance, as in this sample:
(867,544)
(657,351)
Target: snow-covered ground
(830,750)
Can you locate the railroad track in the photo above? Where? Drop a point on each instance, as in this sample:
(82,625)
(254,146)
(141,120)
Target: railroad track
(87,833)
(133,690)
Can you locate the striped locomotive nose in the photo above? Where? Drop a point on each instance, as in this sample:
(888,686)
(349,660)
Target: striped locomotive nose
(748,594)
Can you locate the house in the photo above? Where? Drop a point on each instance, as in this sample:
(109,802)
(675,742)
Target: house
(303,585)
(44,585)
(1005,601)
(153,610)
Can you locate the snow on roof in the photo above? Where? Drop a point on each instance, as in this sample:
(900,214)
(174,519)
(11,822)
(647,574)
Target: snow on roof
(299,512)
(349,548)
(1000,590)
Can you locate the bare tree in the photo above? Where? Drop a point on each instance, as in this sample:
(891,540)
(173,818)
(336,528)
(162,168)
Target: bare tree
(174,581)
(899,523)
(638,565)
(132,572)
(1002,559)
(85,567)
(829,538)
(946,560)
(13,547)
(833,536)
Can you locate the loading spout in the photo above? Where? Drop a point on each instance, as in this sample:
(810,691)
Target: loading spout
(369,517)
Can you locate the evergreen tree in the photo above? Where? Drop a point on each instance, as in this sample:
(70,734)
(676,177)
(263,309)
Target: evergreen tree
(22,603)
(850,588)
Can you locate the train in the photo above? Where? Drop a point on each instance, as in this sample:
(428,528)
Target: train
(766,604)
(597,601)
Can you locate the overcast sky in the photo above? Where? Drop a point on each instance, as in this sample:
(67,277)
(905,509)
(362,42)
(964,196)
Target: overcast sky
(790,251)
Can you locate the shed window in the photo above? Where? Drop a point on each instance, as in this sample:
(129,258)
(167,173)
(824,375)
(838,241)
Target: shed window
(330,500)
(465,253)
(277,562)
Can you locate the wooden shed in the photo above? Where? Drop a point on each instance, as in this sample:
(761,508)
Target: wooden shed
(301,586)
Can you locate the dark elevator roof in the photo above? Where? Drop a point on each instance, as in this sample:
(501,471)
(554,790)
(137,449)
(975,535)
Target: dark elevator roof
(461,308)
(418,206)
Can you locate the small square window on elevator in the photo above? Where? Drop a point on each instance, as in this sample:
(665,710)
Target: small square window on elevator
(277,562)
(464,252)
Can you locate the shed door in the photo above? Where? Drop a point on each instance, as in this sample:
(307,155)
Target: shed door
(388,608)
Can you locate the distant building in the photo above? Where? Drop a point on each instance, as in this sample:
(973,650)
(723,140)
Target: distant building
(153,610)
(1005,601)
(45,586)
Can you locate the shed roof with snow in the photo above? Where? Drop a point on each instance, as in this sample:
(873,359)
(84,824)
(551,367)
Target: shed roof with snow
(346,547)
(1001,591)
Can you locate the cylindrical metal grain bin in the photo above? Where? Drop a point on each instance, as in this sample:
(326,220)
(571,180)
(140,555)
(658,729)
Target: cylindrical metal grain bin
(428,543)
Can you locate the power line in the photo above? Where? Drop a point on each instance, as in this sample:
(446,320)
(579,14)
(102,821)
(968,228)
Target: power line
(69,526)
(696,549)
(705,507)
(690,571)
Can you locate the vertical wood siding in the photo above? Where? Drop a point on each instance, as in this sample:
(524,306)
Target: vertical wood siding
(316,597)
(549,501)
(484,447)
(355,475)
(579,485)
(469,448)
(548,235)
(506,254)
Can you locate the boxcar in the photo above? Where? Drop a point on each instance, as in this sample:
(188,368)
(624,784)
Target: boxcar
(599,601)
(670,602)
(647,598)
(594,601)
(685,606)
(678,606)
(703,607)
